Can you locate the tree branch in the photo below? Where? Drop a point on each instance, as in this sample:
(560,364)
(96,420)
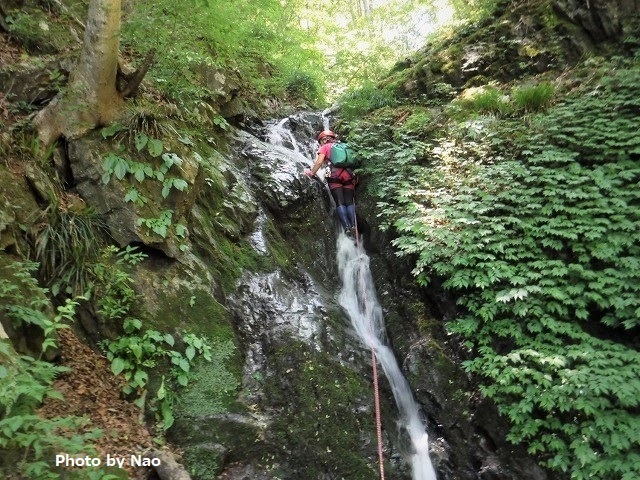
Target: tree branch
(135,79)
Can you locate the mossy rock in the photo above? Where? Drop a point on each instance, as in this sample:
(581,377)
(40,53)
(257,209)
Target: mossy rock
(17,208)
(323,425)
(203,461)
(41,33)
(211,441)
(193,310)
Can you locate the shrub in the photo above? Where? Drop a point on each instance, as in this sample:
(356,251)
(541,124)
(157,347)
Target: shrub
(303,86)
(29,442)
(530,227)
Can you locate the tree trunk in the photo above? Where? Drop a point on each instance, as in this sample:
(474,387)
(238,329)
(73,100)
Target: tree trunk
(91,98)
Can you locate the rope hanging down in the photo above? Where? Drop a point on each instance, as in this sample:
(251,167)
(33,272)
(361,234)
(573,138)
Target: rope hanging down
(376,390)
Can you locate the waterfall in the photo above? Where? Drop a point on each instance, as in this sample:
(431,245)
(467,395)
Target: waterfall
(358,298)
(278,134)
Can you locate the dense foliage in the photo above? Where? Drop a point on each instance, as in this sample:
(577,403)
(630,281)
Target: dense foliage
(293,51)
(27,440)
(203,49)
(531,222)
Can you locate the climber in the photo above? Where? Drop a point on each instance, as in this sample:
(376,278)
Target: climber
(341,180)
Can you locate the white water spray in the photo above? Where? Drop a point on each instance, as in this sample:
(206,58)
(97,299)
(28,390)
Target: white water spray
(278,134)
(358,298)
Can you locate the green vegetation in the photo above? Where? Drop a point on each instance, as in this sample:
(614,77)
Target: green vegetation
(204,49)
(533,98)
(522,202)
(66,243)
(503,102)
(364,99)
(135,353)
(530,221)
(29,441)
(167,166)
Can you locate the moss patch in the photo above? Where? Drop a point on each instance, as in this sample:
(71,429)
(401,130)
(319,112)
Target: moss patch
(213,386)
(192,310)
(318,431)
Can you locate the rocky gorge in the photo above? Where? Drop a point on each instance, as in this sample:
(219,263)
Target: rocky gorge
(237,246)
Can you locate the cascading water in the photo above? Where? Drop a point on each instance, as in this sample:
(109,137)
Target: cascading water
(359,299)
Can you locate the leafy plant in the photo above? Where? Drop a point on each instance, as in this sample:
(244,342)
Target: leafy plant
(158,225)
(112,284)
(139,350)
(530,227)
(118,165)
(65,243)
(28,440)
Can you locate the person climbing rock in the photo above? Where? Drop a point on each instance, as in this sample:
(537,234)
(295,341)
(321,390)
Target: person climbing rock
(341,180)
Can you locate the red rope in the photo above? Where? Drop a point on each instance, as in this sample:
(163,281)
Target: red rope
(376,389)
(376,399)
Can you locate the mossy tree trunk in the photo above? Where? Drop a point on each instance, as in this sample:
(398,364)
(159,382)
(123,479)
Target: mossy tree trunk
(91,98)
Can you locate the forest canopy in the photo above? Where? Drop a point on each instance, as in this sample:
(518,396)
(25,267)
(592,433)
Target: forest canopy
(310,51)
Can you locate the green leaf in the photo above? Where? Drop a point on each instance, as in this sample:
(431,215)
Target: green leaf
(141,141)
(111,130)
(132,195)
(183,380)
(162,392)
(171,159)
(121,168)
(190,352)
(184,365)
(155,147)
(180,184)
(139,174)
(181,230)
(118,365)
(167,415)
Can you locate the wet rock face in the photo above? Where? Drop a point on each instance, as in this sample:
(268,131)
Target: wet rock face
(303,396)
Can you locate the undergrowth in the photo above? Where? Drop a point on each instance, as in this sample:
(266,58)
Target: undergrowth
(29,442)
(139,351)
(532,222)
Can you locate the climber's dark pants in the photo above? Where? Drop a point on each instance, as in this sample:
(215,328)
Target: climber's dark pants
(345,207)
(342,195)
